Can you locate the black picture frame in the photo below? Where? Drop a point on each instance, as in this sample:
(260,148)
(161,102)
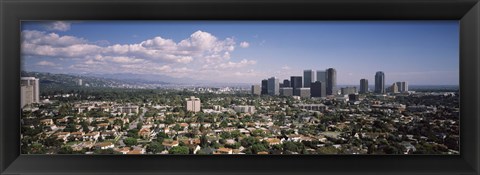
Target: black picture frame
(13,11)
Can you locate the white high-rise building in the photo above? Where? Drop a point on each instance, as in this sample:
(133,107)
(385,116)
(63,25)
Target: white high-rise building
(29,91)
(273,87)
(402,86)
(26,94)
(193,104)
(80,82)
(244,109)
(255,90)
(394,88)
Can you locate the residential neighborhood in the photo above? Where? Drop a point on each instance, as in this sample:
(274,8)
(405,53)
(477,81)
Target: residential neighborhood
(236,122)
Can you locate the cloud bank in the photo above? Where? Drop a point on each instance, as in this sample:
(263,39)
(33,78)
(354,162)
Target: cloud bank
(201,55)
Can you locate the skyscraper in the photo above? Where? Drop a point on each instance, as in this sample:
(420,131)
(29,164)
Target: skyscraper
(404,86)
(394,88)
(380,82)
(26,95)
(399,86)
(193,104)
(363,86)
(321,76)
(35,83)
(308,77)
(256,90)
(296,83)
(273,86)
(264,90)
(331,81)
(318,89)
(286,83)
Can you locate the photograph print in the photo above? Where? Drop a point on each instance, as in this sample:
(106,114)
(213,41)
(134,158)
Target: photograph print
(240,87)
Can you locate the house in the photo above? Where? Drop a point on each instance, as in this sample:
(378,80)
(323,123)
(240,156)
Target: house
(109,134)
(184,125)
(87,144)
(62,136)
(192,125)
(194,141)
(273,141)
(102,125)
(62,121)
(294,137)
(123,150)
(168,144)
(223,150)
(262,152)
(137,150)
(47,122)
(104,145)
(91,136)
(144,133)
(76,135)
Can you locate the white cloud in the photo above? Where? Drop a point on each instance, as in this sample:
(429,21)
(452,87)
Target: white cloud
(158,55)
(46,63)
(244,44)
(240,64)
(51,39)
(58,26)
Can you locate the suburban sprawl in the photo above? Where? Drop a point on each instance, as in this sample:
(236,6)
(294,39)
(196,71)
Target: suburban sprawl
(300,115)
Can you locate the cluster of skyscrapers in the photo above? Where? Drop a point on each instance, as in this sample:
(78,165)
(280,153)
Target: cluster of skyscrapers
(321,83)
(318,83)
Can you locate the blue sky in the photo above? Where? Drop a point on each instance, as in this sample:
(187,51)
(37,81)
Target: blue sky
(419,52)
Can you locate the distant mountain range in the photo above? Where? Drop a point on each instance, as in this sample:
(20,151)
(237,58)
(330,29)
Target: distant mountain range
(120,80)
(144,78)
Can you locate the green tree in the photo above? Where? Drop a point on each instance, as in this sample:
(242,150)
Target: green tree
(139,125)
(161,136)
(65,150)
(155,147)
(258,147)
(327,150)
(52,141)
(179,150)
(224,124)
(248,141)
(130,141)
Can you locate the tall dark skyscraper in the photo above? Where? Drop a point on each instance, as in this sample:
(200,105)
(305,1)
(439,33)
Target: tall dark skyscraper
(318,89)
(286,83)
(331,81)
(264,90)
(296,83)
(308,77)
(380,82)
(363,86)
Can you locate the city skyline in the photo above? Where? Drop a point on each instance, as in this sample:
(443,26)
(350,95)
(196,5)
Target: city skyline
(421,52)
